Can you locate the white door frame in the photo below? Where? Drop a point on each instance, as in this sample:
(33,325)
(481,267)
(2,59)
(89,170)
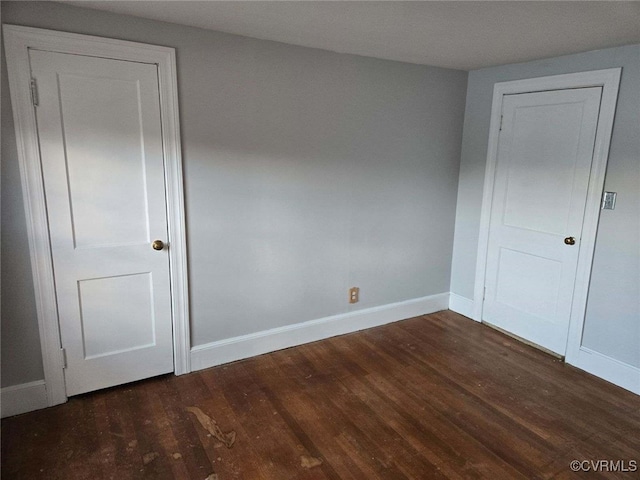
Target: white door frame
(609,80)
(18,41)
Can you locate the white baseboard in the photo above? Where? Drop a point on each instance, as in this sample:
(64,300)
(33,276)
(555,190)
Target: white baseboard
(23,398)
(245,346)
(610,369)
(462,305)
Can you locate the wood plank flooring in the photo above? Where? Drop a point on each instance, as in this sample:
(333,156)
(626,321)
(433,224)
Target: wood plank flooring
(433,397)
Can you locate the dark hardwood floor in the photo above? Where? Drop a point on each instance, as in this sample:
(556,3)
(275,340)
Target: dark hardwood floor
(432,397)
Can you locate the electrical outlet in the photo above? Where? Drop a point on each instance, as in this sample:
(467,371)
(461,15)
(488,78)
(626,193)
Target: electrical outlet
(609,200)
(354,295)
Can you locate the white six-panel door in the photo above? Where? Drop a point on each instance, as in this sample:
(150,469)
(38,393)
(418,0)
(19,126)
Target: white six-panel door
(101,150)
(545,152)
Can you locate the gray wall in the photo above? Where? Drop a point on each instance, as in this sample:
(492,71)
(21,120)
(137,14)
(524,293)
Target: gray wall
(612,324)
(20,349)
(306,172)
(20,341)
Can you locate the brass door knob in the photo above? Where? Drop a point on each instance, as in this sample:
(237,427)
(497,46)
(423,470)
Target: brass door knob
(157,245)
(570,241)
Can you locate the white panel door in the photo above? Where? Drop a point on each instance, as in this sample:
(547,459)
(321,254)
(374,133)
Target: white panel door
(102,160)
(545,151)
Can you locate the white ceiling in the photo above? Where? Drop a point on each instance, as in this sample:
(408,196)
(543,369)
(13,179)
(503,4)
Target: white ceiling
(454,34)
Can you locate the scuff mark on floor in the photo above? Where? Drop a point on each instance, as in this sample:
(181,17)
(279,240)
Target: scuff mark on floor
(309,462)
(212,427)
(212,476)
(147,458)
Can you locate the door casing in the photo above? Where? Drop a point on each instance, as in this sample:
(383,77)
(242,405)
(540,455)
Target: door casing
(609,80)
(18,41)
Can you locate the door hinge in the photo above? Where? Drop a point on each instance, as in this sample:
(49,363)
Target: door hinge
(34,92)
(501,119)
(63,351)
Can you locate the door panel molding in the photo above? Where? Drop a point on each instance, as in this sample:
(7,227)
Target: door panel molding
(18,41)
(609,80)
